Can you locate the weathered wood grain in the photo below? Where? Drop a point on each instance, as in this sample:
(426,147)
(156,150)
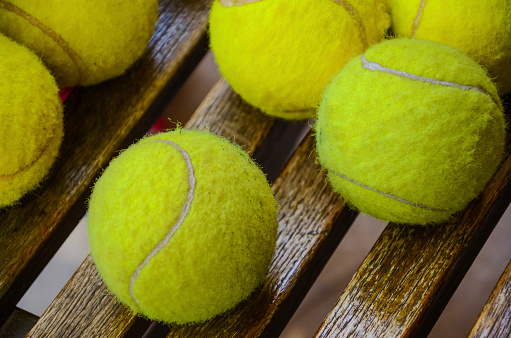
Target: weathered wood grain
(312,221)
(98,121)
(84,307)
(411,272)
(495,319)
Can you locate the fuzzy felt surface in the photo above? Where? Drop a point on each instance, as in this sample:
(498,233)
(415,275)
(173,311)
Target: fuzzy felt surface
(418,151)
(279,55)
(480,28)
(218,255)
(31,121)
(107,36)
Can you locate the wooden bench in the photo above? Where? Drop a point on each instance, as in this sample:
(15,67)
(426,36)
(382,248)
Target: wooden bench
(400,289)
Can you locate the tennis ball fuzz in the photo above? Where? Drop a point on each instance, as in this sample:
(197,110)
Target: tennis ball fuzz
(182,226)
(83,42)
(280,54)
(410,131)
(481,29)
(31,121)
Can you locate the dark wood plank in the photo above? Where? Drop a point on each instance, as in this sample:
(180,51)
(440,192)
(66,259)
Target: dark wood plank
(84,307)
(495,319)
(410,274)
(99,120)
(312,221)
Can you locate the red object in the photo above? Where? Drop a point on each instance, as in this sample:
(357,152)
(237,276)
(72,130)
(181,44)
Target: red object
(159,126)
(64,93)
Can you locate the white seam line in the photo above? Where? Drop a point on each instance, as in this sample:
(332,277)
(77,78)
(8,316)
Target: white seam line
(352,11)
(399,199)
(230,3)
(179,221)
(374,66)
(417,18)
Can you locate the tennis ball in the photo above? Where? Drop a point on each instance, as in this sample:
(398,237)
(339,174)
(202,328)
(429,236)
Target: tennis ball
(411,131)
(82,42)
(31,125)
(182,226)
(481,29)
(280,54)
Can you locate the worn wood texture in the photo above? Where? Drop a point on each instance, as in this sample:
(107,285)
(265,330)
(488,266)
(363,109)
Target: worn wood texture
(84,307)
(411,272)
(495,319)
(99,120)
(312,221)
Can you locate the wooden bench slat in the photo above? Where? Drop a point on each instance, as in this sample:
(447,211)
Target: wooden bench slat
(85,306)
(410,274)
(98,121)
(495,318)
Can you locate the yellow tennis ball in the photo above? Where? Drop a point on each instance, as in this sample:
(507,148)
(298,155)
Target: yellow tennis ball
(481,29)
(280,54)
(182,226)
(82,42)
(411,131)
(31,125)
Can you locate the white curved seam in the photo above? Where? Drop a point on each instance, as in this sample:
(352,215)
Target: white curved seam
(394,197)
(417,18)
(374,66)
(230,3)
(352,11)
(177,224)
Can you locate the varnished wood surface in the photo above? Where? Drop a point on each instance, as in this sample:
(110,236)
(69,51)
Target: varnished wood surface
(84,307)
(99,120)
(411,272)
(495,319)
